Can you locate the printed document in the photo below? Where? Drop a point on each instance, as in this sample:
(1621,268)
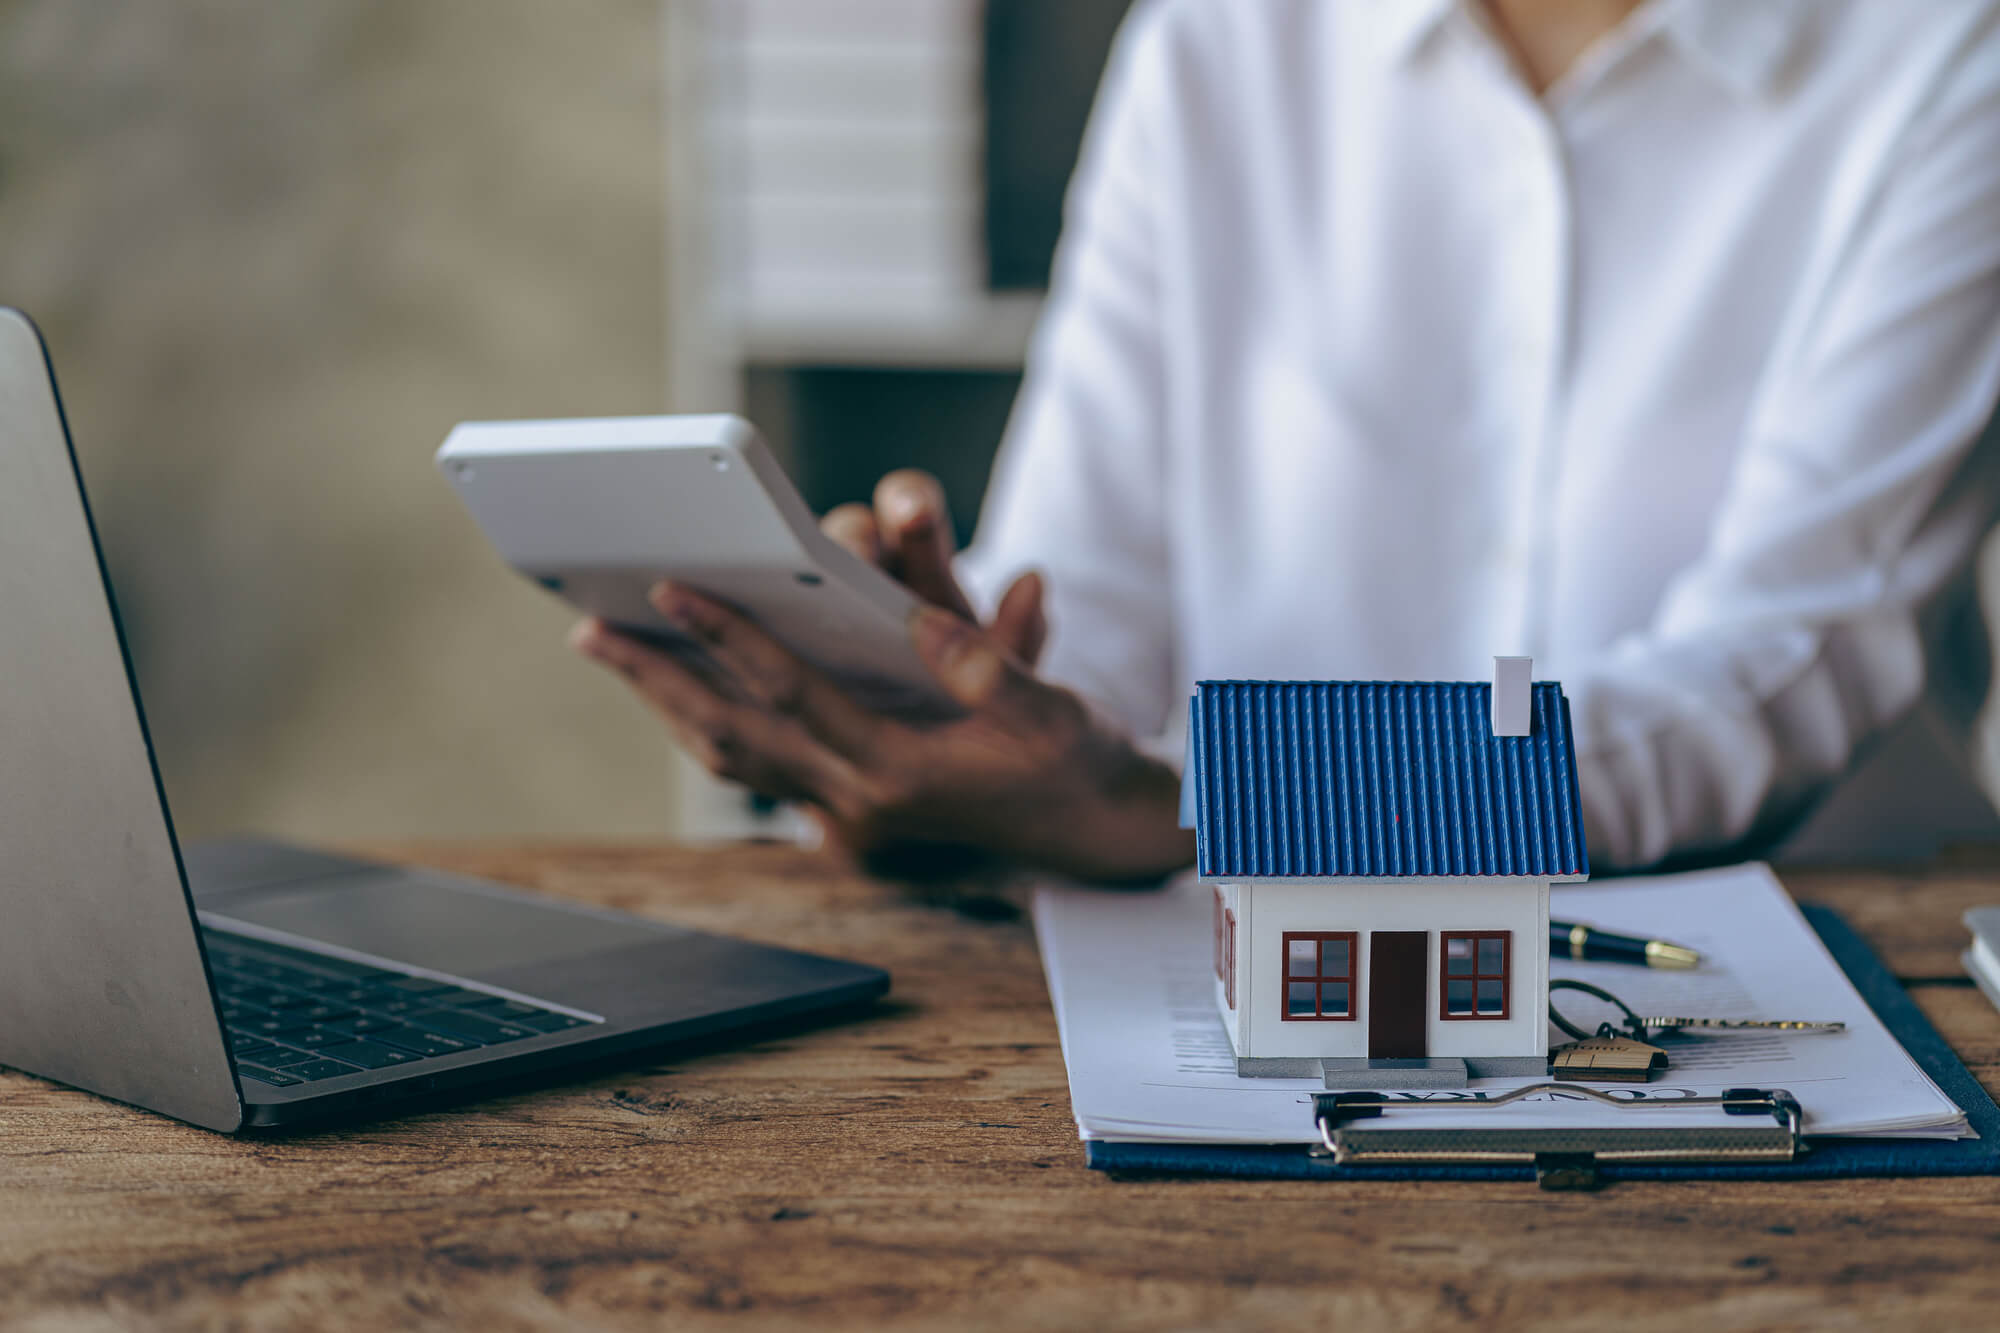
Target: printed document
(1130,974)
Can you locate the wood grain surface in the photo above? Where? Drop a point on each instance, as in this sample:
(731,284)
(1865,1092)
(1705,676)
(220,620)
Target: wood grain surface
(918,1168)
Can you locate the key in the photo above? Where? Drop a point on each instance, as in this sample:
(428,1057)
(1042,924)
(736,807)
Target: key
(1661,1024)
(322,1069)
(279,999)
(470,1025)
(369,1023)
(270,1076)
(279,1058)
(423,1043)
(546,1021)
(1641,1027)
(419,986)
(498,1008)
(367,1054)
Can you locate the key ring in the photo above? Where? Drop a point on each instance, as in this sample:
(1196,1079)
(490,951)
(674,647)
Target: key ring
(1635,1028)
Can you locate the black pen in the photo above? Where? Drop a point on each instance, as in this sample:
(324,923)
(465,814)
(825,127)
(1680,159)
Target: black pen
(1588,944)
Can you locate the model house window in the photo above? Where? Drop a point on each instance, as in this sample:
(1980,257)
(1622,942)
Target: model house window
(1478,965)
(1229,958)
(1320,973)
(1221,973)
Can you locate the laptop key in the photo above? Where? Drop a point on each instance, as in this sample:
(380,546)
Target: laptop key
(251,1048)
(499,1008)
(322,1068)
(279,999)
(281,1058)
(270,1026)
(317,1036)
(342,968)
(460,1024)
(270,1076)
(368,1054)
(423,1043)
(420,986)
(371,1023)
(544,1021)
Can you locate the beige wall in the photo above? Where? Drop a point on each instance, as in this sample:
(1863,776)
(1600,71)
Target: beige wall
(277,250)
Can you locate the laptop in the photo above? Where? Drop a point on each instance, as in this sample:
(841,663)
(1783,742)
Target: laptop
(252,984)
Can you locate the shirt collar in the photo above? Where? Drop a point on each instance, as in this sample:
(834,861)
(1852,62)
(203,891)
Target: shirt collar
(1401,26)
(1745,43)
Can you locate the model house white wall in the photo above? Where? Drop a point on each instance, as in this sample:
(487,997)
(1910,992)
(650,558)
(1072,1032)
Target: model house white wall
(1265,910)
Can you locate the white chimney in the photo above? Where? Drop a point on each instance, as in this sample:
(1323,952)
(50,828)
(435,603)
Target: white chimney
(1510,695)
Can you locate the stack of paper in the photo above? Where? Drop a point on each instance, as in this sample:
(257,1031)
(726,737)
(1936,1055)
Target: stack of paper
(1149,1061)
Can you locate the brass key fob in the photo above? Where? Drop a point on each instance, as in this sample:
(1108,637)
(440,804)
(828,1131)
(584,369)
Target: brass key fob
(1608,1059)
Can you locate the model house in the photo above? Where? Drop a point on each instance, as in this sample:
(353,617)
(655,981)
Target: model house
(1380,855)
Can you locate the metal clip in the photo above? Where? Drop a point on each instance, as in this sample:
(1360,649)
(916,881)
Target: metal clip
(1563,1158)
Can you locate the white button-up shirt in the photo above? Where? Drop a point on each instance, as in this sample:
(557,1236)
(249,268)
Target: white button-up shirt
(1364,362)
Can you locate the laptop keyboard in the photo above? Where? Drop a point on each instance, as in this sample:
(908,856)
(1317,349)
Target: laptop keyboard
(294,1016)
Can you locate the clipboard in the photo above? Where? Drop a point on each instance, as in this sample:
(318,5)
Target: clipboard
(1807,1158)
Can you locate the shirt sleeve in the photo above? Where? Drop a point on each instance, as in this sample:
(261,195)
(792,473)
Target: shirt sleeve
(1078,490)
(1862,490)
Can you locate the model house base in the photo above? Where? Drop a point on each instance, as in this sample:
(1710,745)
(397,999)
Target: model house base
(1361,1075)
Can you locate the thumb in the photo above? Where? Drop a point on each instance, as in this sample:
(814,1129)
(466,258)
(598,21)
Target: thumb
(1019,623)
(974,669)
(916,534)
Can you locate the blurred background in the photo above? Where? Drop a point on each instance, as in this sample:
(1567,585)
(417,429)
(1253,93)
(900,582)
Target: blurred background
(278,250)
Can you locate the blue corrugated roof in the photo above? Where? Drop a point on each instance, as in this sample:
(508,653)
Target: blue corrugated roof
(1375,779)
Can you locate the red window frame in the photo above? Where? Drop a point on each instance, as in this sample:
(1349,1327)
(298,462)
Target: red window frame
(1478,975)
(1320,977)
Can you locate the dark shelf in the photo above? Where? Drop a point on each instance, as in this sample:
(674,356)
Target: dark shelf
(1043,61)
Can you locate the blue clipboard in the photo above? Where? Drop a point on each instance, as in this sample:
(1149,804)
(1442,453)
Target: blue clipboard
(1829,1157)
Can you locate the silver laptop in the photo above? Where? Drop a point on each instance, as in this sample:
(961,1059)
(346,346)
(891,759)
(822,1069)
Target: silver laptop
(250,984)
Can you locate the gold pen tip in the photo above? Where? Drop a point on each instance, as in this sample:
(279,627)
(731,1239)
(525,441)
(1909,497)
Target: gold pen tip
(1661,954)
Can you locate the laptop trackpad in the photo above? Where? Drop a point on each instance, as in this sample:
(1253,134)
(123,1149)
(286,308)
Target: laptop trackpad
(415,918)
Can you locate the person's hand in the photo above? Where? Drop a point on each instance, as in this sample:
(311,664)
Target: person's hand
(1029,771)
(907,534)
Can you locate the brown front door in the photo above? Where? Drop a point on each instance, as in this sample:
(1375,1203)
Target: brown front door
(1397,1008)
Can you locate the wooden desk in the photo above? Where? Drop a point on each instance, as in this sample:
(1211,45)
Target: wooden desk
(919,1168)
